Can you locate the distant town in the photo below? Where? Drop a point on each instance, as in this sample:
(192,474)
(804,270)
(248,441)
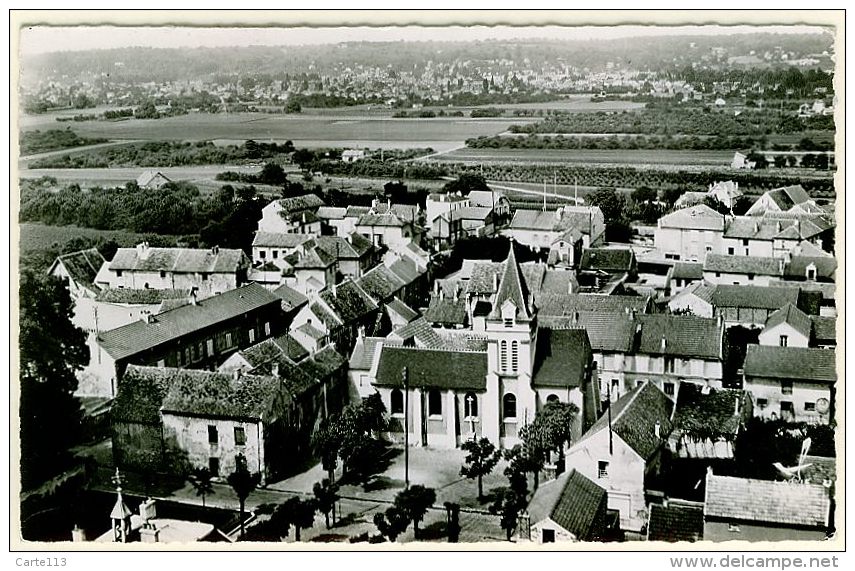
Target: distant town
(452,292)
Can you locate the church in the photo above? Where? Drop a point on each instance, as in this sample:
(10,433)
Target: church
(494,384)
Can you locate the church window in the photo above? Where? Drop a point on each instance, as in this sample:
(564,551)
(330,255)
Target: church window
(515,355)
(397,403)
(434,403)
(509,406)
(503,355)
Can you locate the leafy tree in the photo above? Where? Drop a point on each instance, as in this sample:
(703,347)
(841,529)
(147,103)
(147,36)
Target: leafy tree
(272,173)
(466,183)
(508,505)
(644,194)
(326,497)
(327,443)
(610,202)
(392,523)
(51,351)
(298,512)
(414,502)
(303,157)
(243,482)
(780,161)
(146,111)
(518,465)
(556,421)
(293,106)
(481,457)
(200,479)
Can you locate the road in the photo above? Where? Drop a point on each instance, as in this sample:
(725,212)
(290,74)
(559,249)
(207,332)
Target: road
(25,160)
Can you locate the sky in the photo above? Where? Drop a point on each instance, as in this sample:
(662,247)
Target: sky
(42,39)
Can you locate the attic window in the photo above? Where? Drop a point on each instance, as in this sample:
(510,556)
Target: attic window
(118,273)
(602,469)
(811,272)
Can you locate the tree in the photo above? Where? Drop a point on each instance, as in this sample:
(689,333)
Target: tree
(51,351)
(243,482)
(535,449)
(327,443)
(146,111)
(272,173)
(392,523)
(414,503)
(508,505)
(556,421)
(326,496)
(200,479)
(610,202)
(303,157)
(298,512)
(643,194)
(518,466)
(293,106)
(466,183)
(481,457)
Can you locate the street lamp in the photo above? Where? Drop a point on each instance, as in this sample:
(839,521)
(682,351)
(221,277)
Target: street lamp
(469,400)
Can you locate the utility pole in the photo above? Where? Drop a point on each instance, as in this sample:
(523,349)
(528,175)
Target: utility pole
(609,396)
(405,376)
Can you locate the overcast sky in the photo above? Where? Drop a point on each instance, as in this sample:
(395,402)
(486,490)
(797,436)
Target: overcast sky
(43,39)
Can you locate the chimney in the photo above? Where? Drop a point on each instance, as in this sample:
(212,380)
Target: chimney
(662,344)
(632,314)
(558,213)
(215,250)
(142,250)
(781,263)
(146,316)
(193,299)
(274,368)
(736,406)
(436,287)
(236,374)
(495,282)
(524,525)
(456,293)
(77,534)
(441,294)
(656,429)
(147,510)
(778,226)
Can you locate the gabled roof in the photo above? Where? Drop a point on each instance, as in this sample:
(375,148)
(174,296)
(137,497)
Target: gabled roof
(82,266)
(572,501)
(756,265)
(788,196)
(147,176)
(331,213)
(314,257)
(578,217)
(688,271)
(387,219)
(634,417)
(704,411)
(139,336)
(676,521)
(141,393)
(433,368)
(406,269)
(512,288)
(766,501)
(607,259)
(279,240)
(563,358)
(348,301)
(698,217)
(291,298)
(824,328)
(403,310)
(352,247)
(446,310)
(792,316)
(607,332)
(757,297)
(320,366)
(569,303)
(299,203)
(186,260)
(283,349)
(209,393)
(419,330)
(684,336)
(362,357)
(791,363)
(140,296)
(380,282)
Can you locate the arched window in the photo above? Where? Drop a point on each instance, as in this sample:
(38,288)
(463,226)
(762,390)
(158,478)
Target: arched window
(470,405)
(503,355)
(397,402)
(434,403)
(552,398)
(515,355)
(509,406)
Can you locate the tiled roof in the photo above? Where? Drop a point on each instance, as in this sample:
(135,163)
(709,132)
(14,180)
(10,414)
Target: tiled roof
(207,393)
(446,311)
(479,213)
(279,240)
(676,521)
(331,212)
(462,340)
(189,260)
(788,196)
(380,282)
(572,501)
(139,296)
(766,501)
(481,279)
(775,227)
(147,176)
(512,288)
(314,257)
(356,211)
(567,304)
(756,297)
(348,301)
(634,418)
(402,309)
(558,282)
(688,271)
(609,332)
(550,221)
(300,203)
(325,315)
(310,330)
(352,247)
(824,328)
(141,393)
(433,368)
(139,336)
(563,356)
(291,298)
(792,316)
(607,259)
(791,363)
(420,330)
(756,265)
(716,409)
(82,266)
(281,349)
(699,217)
(372,219)
(797,268)
(362,356)
(406,269)
(484,198)
(321,365)
(685,336)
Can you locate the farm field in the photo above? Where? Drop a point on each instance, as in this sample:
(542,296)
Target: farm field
(307,130)
(632,158)
(34,236)
(119,176)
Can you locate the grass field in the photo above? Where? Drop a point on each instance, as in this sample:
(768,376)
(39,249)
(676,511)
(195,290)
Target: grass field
(307,130)
(590,156)
(35,237)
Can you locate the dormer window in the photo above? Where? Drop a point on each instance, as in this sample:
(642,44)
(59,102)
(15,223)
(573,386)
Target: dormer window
(509,313)
(810,272)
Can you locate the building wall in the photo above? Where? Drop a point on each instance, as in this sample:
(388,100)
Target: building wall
(391,236)
(537,239)
(561,534)
(737,279)
(113,315)
(625,481)
(748,316)
(445,430)
(746,247)
(720,531)
(275,255)
(692,302)
(803,392)
(190,435)
(772,336)
(689,244)
(207,284)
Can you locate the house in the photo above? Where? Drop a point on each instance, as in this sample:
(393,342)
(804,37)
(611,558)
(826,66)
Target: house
(623,449)
(726,193)
(492,199)
(333,218)
(742,270)
(283,349)
(609,261)
(683,275)
(445,230)
(824,332)
(273,247)
(689,234)
(443,204)
(207,272)
(293,215)
(152,180)
(387,229)
(78,270)
(796,384)
(787,327)
(476,220)
(538,229)
(448,312)
(782,199)
(566,250)
(763,510)
(676,520)
(569,508)
(740,160)
(353,253)
(774,235)
(115,307)
(363,360)
(201,334)
(309,268)
(352,155)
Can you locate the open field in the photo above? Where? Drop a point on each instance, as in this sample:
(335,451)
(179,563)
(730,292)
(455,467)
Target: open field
(307,130)
(590,156)
(119,176)
(35,236)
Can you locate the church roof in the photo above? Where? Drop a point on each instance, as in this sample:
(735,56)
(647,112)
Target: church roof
(512,288)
